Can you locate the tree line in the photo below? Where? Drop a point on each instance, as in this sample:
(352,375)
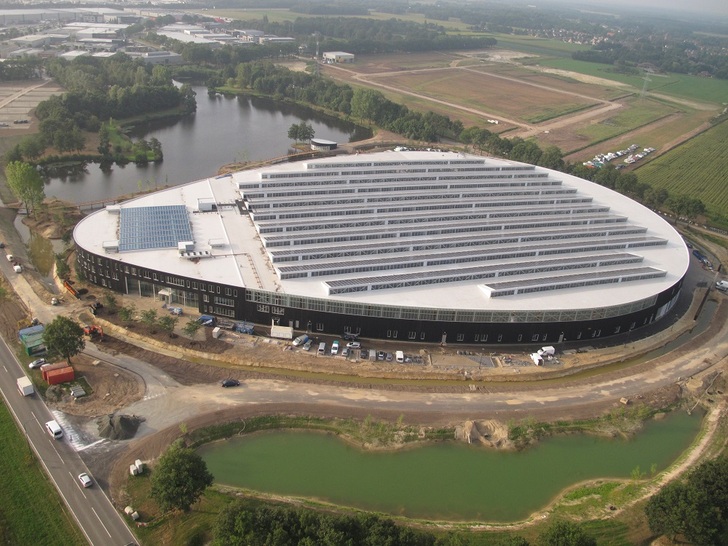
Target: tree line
(366,105)
(252,524)
(98,90)
(694,508)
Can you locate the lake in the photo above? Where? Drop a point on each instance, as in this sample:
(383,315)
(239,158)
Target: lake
(223,130)
(444,481)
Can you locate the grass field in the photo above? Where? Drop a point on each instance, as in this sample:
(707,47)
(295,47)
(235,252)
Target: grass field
(538,46)
(681,86)
(31,512)
(636,114)
(491,94)
(697,169)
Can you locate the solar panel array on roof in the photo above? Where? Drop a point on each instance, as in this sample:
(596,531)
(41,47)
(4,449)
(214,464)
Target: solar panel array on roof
(392,224)
(147,228)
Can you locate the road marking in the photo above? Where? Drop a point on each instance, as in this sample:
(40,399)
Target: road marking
(101,522)
(54,449)
(36,420)
(77,485)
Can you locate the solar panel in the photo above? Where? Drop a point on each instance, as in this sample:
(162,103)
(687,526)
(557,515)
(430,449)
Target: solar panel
(146,228)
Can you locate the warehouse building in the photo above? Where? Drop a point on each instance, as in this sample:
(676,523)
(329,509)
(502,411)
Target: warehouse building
(421,246)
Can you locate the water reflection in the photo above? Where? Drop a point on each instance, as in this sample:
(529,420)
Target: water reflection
(223,130)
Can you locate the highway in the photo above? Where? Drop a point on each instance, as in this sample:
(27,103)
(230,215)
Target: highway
(97,518)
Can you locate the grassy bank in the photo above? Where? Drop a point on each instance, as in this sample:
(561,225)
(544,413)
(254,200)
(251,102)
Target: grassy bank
(31,512)
(589,502)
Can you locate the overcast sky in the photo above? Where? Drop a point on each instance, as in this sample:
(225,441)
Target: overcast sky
(715,7)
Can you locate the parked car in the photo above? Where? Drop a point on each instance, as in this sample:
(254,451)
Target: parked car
(37,363)
(354,345)
(335,347)
(380,355)
(345,352)
(364,354)
(85,479)
(300,340)
(231,383)
(307,345)
(389,357)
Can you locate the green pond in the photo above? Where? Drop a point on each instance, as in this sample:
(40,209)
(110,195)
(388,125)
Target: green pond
(444,481)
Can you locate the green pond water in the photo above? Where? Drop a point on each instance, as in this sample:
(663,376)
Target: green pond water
(445,481)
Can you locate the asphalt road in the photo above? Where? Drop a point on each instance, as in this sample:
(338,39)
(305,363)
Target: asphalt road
(96,516)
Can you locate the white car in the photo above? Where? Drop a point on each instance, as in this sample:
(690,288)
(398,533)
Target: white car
(85,479)
(37,363)
(335,348)
(354,345)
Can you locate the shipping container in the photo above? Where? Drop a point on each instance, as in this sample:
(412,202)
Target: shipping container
(64,375)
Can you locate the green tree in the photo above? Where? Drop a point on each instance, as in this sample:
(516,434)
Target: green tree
(191,327)
(695,508)
(168,323)
(565,533)
(149,317)
(63,338)
(305,131)
(293,133)
(111,302)
(179,479)
(62,268)
(26,183)
(126,314)
(32,147)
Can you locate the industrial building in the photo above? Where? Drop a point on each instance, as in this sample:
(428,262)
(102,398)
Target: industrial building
(337,57)
(420,246)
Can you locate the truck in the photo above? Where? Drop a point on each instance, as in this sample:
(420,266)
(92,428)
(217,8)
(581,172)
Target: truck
(25,386)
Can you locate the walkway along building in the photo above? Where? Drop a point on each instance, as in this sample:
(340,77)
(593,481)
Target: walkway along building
(420,246)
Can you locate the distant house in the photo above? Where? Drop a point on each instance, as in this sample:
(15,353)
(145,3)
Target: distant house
(338,57)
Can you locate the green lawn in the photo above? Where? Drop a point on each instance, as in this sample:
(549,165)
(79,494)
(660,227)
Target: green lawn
(636,114)
(681,86)
(697,168)
(31,512)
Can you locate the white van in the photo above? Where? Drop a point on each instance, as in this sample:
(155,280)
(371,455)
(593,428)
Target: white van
(322,348)
(399,356)
(722,285)
(54,429)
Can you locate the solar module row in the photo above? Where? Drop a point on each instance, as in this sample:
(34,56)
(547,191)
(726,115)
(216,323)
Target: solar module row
(342,237)
(454,259)
(145,228)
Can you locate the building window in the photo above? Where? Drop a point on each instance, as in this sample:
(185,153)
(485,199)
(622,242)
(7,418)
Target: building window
(411,335)
(320,326)
(389,333)
(262,308)
(461,337)
(534,337)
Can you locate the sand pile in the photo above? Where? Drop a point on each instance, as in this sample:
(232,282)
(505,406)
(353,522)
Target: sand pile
(118,427)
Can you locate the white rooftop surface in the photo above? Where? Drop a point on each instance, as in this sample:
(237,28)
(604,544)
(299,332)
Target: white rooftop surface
(243,261)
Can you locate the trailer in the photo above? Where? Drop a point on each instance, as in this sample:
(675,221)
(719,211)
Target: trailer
(25,386)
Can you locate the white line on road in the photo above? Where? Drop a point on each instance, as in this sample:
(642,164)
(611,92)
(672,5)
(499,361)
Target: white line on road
(80,488)
(59,455)
(101,522)
(36,420)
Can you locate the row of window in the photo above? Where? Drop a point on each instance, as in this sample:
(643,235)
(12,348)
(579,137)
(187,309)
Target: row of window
(443,315)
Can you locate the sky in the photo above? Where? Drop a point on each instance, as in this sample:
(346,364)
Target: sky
(714,7)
